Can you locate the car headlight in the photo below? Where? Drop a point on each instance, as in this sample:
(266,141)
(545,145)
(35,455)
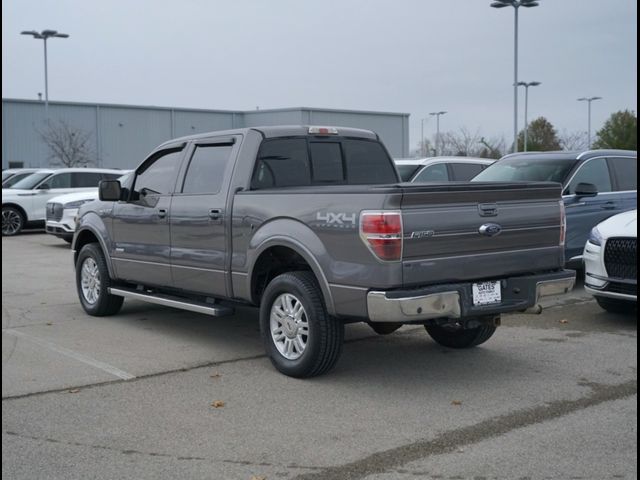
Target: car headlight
(77,203)
(595,236)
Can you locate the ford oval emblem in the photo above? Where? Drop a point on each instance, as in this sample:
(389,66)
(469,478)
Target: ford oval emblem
(490,229)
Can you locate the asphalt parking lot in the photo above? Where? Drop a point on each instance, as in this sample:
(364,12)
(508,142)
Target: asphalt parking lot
(131,396)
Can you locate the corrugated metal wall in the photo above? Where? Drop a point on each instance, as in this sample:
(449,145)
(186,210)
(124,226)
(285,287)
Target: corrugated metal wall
(122,135)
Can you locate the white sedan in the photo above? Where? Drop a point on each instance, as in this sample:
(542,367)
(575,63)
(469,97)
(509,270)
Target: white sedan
(610,261)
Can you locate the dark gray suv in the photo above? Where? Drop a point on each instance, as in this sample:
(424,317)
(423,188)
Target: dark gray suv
(596,185)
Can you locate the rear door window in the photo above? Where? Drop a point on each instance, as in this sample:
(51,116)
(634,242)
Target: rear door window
(206,169)
(626,173)
(61,180)
(85,179)
(463,172)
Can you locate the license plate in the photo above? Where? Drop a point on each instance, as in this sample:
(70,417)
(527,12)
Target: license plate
(486,293)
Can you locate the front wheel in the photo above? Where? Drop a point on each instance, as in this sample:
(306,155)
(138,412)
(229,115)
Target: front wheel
(460,338)
(12,221)
(301,338)
(93,282)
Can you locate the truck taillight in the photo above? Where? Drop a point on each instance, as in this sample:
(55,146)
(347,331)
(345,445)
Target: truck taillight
(563,224)
(381,232)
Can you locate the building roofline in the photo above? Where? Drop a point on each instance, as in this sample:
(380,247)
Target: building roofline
(201,110)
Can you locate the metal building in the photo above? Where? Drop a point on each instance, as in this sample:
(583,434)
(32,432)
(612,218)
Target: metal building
(122,135)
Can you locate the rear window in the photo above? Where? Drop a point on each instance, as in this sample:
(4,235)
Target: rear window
(527,170)
(294,162)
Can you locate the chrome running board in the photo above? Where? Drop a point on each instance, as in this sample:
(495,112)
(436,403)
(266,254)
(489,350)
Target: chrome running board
(175,302)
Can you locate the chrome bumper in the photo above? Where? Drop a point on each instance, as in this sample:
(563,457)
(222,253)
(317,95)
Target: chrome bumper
(521,293)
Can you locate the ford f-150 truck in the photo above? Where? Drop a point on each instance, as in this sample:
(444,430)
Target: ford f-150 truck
(312,225)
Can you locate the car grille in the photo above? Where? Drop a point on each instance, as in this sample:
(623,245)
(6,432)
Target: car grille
(621,257)
(54,211)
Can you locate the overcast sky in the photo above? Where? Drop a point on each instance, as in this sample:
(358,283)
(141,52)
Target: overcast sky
(412,56)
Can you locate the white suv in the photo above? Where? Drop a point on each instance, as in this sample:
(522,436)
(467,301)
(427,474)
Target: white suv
(611,263)
(24,203)
(441,169)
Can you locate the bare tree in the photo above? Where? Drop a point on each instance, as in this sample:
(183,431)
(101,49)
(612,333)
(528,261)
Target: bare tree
(495,147)
(69,146)
(573,140)
(462,143)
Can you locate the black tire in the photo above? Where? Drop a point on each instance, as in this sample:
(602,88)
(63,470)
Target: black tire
(458,338)
(385,328)
(105,303)
(12,221)
(325,333)
(613,305)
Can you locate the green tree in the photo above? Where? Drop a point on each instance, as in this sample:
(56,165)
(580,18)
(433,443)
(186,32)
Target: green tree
(620,131)
(542,137)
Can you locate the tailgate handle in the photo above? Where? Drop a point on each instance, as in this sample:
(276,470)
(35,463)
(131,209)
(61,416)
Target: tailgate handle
(488,209)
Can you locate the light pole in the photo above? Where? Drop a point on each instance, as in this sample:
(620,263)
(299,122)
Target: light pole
(45,35)
(516,4)
(589,100)
(437,115)
(422,145)
(526,86)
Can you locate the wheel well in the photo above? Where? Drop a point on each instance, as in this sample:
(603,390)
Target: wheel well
(84,237)
(17,207)
(271,263)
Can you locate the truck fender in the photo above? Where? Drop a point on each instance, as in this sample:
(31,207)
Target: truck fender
(270,235)
(90,222)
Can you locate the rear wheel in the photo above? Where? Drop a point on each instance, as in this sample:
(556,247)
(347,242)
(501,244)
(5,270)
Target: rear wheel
(301,338)
(460,338)
(93,282)
(614,305)
(12,221)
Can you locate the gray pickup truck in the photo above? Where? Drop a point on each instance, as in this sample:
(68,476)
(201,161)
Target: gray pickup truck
(312,225)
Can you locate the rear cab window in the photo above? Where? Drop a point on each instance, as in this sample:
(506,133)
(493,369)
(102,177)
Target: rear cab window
(306,161)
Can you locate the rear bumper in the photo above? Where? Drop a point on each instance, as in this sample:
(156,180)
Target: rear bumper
(455,300)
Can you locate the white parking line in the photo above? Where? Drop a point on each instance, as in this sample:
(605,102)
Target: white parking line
(105,367)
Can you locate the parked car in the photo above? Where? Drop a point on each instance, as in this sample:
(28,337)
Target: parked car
(24,203)
(610,261)
(596,185)
(441,169)
(14,175)
(61,211)
(312,225)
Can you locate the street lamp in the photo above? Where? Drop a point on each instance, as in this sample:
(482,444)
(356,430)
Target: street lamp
(589,100)
(45,35)
(516,4)
(437,115)
(526,108)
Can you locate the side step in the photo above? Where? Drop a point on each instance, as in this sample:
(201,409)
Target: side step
(175,302)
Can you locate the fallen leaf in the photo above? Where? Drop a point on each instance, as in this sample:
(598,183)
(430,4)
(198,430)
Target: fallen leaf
(218,404)
(215,375)
(457,403)
(564,320)
(257,477)
(74,390)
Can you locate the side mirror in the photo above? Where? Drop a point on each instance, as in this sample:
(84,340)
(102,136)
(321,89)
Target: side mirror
(586,190)
(109,190)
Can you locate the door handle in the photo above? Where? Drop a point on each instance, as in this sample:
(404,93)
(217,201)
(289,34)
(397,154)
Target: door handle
(215,214)
(609,206)
(162,212)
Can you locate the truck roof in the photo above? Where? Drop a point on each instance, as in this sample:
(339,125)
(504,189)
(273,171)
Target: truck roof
(273,131)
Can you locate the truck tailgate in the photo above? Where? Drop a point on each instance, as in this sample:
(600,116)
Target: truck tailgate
(463,231)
